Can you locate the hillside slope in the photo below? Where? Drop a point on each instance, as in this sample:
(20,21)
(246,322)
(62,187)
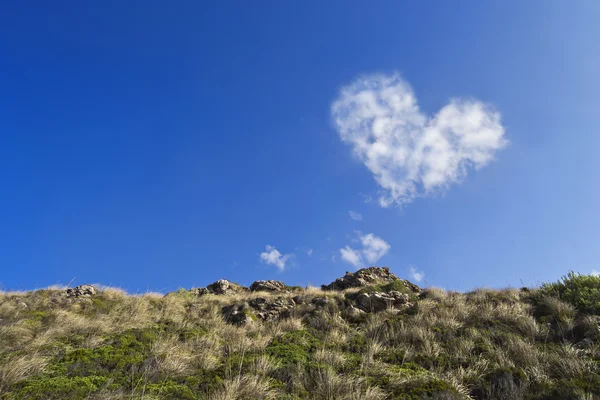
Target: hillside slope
(368,335)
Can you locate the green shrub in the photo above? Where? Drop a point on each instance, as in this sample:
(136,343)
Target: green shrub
(425,388)
(121,356)
(171,390)
(581,291)
(293,347)
(59,388)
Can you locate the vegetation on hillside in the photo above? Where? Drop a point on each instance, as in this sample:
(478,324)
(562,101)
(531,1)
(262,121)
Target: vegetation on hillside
(541,343)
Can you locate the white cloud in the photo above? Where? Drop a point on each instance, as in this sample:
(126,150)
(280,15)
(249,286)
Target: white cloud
(416,275)
(355,215)
(351,256)
(409,153)
(272,256)
(373,248)
(309,252)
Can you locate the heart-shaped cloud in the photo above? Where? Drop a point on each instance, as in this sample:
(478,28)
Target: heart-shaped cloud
(410,154)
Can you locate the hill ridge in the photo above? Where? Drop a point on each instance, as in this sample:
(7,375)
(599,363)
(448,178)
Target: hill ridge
(366,335)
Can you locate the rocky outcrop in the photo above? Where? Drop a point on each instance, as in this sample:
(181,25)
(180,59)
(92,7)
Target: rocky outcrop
(379,290)
(259,308)
(354,312)
(81,291)
(379,301)
(238,314)
(220,287)
(266,310)
(367,277)
(267,286)
(199,291)
(319,301)
(223,286)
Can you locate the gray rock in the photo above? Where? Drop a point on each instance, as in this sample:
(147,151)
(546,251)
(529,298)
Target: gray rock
(258,303)
(237,315)
(274,310)
(320,301)
(81,291)
(378,301)
(220,287)
(267,286)
(199,291)
(367,277)
(223,286)
(354,312)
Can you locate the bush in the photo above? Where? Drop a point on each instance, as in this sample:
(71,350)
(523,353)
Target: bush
(426,388)
(293,347)
(581,291)
(59,388)
(119,357)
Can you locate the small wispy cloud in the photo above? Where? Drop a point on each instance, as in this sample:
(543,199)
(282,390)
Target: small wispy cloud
(416,275)
(309,252)
(272,256)
(372,249)
(409,153)
(351,256)
(355,215)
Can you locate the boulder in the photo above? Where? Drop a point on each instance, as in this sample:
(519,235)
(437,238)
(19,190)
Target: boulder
(378,301)
(237,314)
(223,286)
(320,301)
(81,291)
(220,287)
(267,286)
(199,291)
(266,310)
(353,312)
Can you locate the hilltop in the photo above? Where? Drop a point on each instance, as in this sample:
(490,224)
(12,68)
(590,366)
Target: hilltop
(367,335)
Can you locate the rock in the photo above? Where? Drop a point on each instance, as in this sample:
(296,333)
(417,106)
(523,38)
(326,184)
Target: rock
(277,309)
(320,301)
(81,291)
(220,287)
(378,301)
(366,277)
(223,286)
(354,312)
(258,303)
(237,315)
(199,291)
(267,286)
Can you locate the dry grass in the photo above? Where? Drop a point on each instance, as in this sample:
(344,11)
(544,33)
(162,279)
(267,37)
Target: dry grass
(244,387)
(21,367)
(460,339)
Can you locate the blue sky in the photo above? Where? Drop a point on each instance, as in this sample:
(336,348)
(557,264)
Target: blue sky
(152,145)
